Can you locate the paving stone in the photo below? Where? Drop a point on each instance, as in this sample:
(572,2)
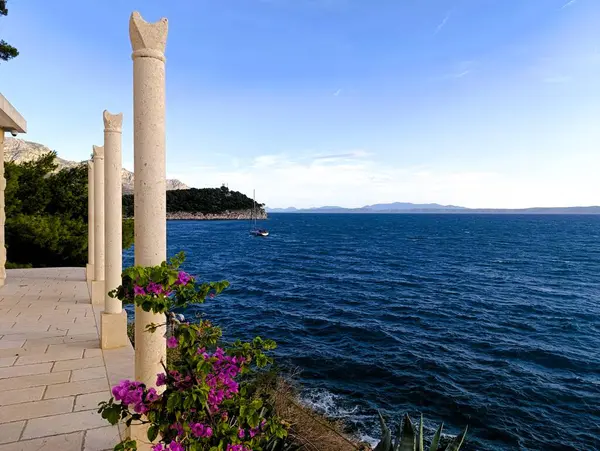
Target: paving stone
(14,383)
(76,388)
(78,364)
(25,370)
(93,353)
(8,343)
(16,396)
(101,438)
(89,401)
(18,328)
(64,442)
(88,373)
(62,424)
(7,361)
(25,350)
(10,432)
(61,354)
(77,344)
(32,335)
(35,409)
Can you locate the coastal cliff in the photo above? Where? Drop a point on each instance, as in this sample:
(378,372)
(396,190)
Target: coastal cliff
(226,215)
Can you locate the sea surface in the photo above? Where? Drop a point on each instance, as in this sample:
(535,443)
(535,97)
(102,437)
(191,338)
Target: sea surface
(486,321)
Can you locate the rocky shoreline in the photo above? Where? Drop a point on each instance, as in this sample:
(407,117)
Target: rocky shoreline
(226,215)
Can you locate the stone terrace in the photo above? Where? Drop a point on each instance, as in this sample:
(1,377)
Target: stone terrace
(53,373)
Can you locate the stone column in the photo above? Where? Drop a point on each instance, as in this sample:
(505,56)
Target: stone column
(2,213)
(98,282)
(89,271)
(148,41)
(113,322)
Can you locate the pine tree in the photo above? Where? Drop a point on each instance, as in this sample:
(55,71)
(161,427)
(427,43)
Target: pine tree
(7,51)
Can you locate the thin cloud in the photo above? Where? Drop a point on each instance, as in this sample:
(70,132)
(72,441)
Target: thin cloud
(442,24)
(461,74)
(569,3)
(343,156)
(337,93)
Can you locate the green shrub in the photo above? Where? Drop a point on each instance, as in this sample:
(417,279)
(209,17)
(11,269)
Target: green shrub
(207,403)
(46,214)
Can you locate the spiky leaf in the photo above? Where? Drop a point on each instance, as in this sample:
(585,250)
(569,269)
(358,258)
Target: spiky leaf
(458,441)
(408,442)
(398,437)
(386,436)
(435,442)
(421,446)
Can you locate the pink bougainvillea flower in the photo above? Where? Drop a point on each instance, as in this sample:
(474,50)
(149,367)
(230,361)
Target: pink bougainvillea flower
(176,446)
(201,430)
(161,379)
(183,278)
(151,396)
(138,291)
(154,288)
(172,342)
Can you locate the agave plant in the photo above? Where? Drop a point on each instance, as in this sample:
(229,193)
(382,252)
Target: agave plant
(407,440)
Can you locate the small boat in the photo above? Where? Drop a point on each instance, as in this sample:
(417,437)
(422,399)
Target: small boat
(260,232)
(255,230)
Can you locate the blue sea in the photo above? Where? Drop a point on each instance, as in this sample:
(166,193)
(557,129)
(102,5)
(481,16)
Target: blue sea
(487,321)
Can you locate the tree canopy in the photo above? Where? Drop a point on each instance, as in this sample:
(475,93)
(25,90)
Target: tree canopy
(7,51)
(46,214)
(194,200)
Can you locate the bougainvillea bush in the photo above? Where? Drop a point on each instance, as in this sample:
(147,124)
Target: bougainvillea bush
(203,401)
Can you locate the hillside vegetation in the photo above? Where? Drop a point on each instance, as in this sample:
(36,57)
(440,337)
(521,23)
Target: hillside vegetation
(203,200)
(46,214)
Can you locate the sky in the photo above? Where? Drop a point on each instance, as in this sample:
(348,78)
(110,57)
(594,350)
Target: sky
(478,103)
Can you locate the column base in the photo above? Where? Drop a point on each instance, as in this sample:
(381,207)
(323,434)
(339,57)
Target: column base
(89,272)
(2,282)
(113,330)
(98,294)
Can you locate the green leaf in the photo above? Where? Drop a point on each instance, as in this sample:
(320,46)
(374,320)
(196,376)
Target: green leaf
(421,445)
(436,438)
(408,442)
(152,433)
(111,414)
(386,436)
(458,441)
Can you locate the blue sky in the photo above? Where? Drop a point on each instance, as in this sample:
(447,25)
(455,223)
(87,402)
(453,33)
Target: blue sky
(481,103)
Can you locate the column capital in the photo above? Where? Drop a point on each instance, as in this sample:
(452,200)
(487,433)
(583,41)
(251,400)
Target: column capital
(112,122)
(148,40)
(98,152)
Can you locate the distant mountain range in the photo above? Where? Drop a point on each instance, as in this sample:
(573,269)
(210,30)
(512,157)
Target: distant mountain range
(20,151)
(407,207)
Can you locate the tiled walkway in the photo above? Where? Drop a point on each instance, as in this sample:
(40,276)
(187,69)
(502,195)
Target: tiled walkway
(52,372)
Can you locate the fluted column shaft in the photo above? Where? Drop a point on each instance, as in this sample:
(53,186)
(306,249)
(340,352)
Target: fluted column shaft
(113,210)
(98,213)
(148,42)
(90,166)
